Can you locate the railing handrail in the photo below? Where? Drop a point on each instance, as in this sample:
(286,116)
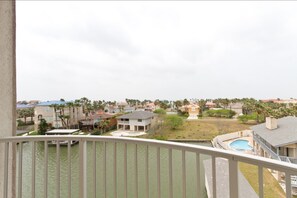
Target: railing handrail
(231,155)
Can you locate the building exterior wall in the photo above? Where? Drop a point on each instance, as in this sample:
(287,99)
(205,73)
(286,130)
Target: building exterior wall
(48,114)
(135,125)
(8,88)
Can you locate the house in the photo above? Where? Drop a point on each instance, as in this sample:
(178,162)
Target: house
(94,121)
(193,111)
(210,104)
(136,121)
(236,107)
(47,111)
(277,139)
(112,109)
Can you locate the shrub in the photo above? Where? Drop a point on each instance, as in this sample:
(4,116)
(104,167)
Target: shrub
(173,121)
(160,111)
(220,113)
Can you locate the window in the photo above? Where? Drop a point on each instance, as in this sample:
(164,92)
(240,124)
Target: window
(139,120)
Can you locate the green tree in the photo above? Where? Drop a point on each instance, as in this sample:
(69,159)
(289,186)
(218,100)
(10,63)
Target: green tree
(42,127)
(160,111)
(173,121)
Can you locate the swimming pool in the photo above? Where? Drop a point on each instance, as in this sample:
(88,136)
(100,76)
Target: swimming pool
(241,145)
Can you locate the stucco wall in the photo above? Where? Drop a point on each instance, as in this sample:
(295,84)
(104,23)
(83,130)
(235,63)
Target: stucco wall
(7,87)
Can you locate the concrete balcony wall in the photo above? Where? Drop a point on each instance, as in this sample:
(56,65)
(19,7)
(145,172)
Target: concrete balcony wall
(7,88)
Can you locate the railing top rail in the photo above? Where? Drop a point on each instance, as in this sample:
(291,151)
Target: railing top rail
(231,155)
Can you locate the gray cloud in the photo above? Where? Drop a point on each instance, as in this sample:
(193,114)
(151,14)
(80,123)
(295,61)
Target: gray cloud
(166,50)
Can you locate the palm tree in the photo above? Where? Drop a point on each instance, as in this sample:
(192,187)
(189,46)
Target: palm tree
(70,106)
(55,108)
(201,104)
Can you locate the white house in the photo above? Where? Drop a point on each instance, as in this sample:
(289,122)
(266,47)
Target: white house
(136,121)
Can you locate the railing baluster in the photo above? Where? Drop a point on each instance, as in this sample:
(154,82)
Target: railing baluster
(69,167)
(233,178)
(260,179)
(125,170)
(170,174)
(58,178)
(82,169)
(20,170)
(104,168)
(45,168)
(5,187)
(136,172)
(199,194)
(94,169)
(214,177)
(184,173)
(115,169)
(33,169)
(158,172)
(147,171)
(288,185)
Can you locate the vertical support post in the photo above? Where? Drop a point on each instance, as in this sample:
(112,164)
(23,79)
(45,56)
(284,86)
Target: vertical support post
(115,169)
(260,178)
(45,168)
(147,171)
(158,172)
(58,169)
(82,169)
(8,90)
(184,174)
(69,167)
(33,169)
(198,175)
(125,171)
(20,168)
(94,169)
(104,169)
(233,178)
(5,190)
(136,172)
(170,174)
(214,177)
(288,185)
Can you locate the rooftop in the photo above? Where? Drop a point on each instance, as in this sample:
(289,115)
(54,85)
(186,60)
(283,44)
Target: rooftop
(284,134)
(62,131)
(137,115)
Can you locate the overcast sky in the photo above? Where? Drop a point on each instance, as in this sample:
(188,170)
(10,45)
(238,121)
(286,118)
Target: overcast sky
(156,50)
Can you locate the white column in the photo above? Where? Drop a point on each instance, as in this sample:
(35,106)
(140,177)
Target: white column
(7,87)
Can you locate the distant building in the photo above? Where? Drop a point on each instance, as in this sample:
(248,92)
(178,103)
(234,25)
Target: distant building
(94,121)
(237,107)
(136,121)
(193,111)
(210,104)
(44,110)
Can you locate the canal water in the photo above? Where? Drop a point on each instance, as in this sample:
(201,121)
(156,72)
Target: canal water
(153,189)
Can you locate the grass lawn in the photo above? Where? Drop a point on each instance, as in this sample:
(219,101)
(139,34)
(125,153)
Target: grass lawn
(271,187)
(204,128)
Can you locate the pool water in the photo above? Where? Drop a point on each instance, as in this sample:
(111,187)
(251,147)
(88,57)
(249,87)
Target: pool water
(241,145)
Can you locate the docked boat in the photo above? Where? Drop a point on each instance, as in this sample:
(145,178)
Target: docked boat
(63,132)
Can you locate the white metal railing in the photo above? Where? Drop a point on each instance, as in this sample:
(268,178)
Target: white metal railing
(123,122)
(233,159)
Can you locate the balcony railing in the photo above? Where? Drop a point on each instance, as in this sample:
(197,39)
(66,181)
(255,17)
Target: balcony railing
(123,122)
(273,154)
(115,157)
